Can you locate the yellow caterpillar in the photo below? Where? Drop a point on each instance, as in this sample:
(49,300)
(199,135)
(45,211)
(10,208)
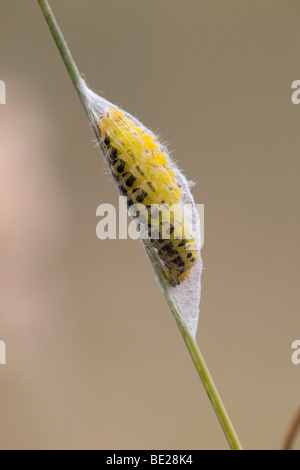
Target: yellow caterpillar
(143,174)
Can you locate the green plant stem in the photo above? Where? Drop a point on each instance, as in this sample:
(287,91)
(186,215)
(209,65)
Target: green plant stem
(194,351)
(190,342)
(66,57)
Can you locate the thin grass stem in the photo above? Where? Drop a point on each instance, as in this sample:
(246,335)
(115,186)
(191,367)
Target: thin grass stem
(190,342)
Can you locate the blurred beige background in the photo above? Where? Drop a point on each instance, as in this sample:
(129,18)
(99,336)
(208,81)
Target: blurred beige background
(94,358)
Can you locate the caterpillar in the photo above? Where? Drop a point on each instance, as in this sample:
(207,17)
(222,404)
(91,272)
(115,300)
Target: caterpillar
(143,174)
